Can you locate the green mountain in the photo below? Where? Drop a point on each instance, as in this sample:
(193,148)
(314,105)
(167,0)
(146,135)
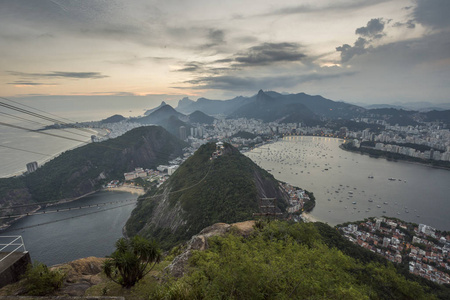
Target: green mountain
(211,107)
(273,106)
(201,192)
(200,117)
(84,169)
(113,119)
(440,116)
(149,111)
(269,109)
(161,114)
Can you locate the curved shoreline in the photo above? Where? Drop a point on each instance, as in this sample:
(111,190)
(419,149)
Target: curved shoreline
(395,160)
(129,189)
(309,218)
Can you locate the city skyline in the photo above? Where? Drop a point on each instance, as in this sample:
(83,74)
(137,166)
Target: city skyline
(357,51)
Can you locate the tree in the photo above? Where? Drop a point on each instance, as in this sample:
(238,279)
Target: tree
(129,263)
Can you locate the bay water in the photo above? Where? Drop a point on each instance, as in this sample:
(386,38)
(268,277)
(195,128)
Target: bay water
(55,238)
(350,186)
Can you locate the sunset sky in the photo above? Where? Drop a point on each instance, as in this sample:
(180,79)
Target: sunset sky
(365,51)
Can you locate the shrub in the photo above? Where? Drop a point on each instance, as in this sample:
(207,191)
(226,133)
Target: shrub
(128,264)
(39,280)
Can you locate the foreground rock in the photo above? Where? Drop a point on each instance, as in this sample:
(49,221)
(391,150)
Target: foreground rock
(81,274)
(200,242)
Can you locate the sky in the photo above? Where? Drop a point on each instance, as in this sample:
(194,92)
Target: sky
(364,51)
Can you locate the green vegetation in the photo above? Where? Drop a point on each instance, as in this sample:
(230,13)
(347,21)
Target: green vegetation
(85,169)
(200,117)
(40,281)
(421,148)
(286,261)
(308,206)
(395,156)
(336,125)
(244,135)
(113,119)
(229,193)
(130,262)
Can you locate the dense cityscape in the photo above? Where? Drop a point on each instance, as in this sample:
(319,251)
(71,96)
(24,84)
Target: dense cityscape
(421,247)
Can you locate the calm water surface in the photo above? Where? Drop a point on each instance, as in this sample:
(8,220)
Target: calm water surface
(90,235)
(344,192)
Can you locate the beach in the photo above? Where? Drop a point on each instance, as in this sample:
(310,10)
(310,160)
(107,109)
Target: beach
(129,189)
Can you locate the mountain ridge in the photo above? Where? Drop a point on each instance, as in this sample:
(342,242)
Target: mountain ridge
(224,189)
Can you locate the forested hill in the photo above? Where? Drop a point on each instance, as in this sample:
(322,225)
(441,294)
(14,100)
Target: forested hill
(224,189)
(84,169)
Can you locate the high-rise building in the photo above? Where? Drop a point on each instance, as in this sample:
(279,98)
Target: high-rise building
(182,133)
(32,166)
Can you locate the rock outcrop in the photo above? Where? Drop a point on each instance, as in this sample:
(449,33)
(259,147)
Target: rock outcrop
(199,242)
(81,274)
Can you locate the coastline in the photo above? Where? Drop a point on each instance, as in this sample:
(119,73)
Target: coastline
(396,160)
(129,189)
(309,218)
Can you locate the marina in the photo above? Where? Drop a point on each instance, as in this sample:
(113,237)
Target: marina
(392,188)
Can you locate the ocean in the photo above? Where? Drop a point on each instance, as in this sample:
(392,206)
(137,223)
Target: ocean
(19,147)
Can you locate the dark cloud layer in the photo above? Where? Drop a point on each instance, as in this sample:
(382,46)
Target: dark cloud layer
(264,54)
(347,51)
(374,29)
(191,67)
(30,83)
(269,53)
(408,24)
(298,9)
(433,13)
(248,83)
(56,74)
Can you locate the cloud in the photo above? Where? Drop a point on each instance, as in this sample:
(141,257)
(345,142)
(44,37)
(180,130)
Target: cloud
(265,54)
(191,67)
(251,83)
(216,36)
(30,83)
(408,24)
(269,53)
(347,51)
(299,9)
(57,74)
(432,13)
(374,29)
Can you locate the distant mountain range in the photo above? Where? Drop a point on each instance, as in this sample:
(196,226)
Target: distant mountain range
(416,106)
(310,110)
(271,106)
